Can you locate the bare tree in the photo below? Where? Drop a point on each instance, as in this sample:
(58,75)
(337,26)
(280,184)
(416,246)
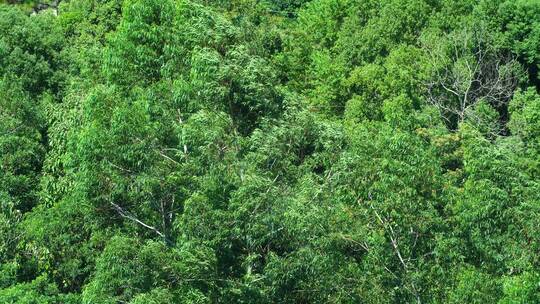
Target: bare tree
(465,68)
(44,5)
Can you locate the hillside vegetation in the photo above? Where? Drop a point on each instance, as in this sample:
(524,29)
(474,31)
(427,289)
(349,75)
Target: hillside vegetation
(269,151)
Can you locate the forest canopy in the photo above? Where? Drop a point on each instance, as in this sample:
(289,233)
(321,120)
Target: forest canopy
(269,151)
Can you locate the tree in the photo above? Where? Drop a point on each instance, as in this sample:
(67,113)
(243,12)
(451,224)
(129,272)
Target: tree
(246,151)
(152,272)
(466,68)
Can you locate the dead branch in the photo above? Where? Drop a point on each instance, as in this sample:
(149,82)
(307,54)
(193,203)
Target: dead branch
(469,69)
(126,214)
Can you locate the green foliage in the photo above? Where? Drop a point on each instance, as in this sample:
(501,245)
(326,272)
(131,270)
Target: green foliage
(522,288)
(474,287)
(243,151)
(21,146)
(525,115)
(37,291)
(517,28)
(29,48)
(129,271)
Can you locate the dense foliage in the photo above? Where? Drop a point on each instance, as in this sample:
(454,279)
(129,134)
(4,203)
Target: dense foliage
(276,151)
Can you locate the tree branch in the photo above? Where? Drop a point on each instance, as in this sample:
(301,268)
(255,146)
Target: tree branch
(126,214)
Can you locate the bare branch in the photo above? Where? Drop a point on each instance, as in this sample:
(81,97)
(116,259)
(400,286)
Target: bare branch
(467,71)
(128,215)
